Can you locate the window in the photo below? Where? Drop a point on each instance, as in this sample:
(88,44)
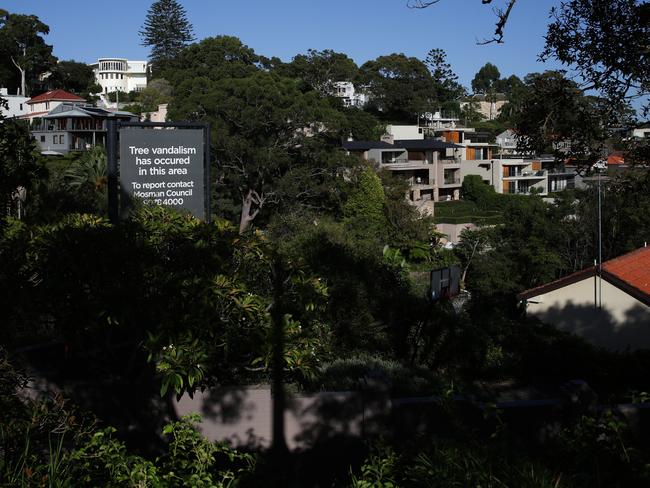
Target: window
(42,138)
(21,107)
(47,105)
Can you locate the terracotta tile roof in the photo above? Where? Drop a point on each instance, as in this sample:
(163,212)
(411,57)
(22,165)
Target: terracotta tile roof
(616,157)
(629,272)
(57,95)
(633,269)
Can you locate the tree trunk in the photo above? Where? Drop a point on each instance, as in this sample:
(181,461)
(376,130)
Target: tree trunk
(247,203)
(23,84)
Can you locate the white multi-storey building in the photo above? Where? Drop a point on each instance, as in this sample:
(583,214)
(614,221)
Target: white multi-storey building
(351,97)
(17,104)
(117,74)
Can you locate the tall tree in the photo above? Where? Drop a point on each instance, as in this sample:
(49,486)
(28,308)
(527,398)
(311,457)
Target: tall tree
(401,87)
(22,44)
(321,69)
(19,165)
(485,79)
(166,31)
(444,79)
(553,109)
(267,141)
(74,77)
(606,43)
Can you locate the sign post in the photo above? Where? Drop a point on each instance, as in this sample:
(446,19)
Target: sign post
(168,166)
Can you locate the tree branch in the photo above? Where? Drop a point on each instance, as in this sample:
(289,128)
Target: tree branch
(500,25)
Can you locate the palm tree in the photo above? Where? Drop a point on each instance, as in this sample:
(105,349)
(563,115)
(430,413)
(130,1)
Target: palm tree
(89,172)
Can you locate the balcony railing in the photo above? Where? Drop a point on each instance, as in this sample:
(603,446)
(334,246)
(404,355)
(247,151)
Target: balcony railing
(452,181)
(423,181)
(526,174)
(405,162)
(527,191)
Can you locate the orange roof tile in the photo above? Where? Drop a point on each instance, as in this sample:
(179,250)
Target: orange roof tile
(616,158)
(632,268)
(629,272)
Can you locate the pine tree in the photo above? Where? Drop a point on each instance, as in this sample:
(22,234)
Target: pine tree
(166,30)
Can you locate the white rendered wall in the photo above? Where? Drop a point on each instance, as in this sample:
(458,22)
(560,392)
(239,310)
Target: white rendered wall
(17,104)
(623,321)
(407,132)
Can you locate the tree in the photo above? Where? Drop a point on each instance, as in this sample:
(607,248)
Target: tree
(364,208)
(214,58)
(486,78)
(400,87)
(321,69)
(22,44)
(606,43)
(166,30)
(445,80)
(19,164)
(502,16)
(72,76)
(554,110)
(270,141)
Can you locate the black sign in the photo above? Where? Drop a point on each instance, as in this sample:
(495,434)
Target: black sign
(164,167)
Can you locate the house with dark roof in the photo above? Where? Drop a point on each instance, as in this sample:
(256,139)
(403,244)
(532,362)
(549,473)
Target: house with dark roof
(71,127)
(610,309)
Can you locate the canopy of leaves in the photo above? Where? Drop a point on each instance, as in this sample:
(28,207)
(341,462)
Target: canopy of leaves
(401,87)
(606,43)
(320,69)
(24,55)
(554,110)
(486,79)
(214,58)
(445,80)
(19,163)
(72,76)
(262,129)
(166,31)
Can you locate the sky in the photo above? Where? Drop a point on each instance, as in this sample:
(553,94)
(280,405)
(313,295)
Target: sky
(85,30)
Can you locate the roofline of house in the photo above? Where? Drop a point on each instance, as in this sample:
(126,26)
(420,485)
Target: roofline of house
(581,275)
(559,283)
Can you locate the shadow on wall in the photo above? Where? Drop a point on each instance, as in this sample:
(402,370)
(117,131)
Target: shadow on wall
(600,328)
(239,415)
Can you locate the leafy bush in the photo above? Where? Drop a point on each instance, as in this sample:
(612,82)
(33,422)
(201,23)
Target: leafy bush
(368,372)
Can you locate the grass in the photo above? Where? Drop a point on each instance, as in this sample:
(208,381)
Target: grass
(462,211)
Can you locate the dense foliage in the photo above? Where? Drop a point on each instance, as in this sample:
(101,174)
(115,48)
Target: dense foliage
(314,254)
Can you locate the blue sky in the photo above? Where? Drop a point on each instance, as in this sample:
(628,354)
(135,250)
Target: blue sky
(363,29)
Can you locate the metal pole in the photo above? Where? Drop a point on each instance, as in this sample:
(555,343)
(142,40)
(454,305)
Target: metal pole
(208,177)
(111,156)
(600,246)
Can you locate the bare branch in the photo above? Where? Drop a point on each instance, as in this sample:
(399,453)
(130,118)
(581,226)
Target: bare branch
(420,3)
(501,23)
(501,15)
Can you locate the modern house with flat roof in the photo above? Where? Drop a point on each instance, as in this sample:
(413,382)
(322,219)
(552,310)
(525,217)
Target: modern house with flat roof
(119,74)
(71,127)
(431,167)
(610,309)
